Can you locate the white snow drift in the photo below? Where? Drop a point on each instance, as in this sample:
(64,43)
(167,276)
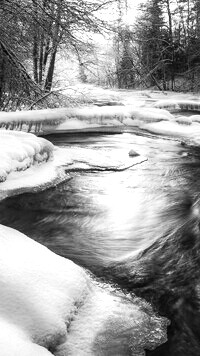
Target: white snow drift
(61,120)
(19,151)
(49,305)
(178,105)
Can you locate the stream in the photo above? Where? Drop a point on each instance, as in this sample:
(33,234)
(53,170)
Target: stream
(99,218)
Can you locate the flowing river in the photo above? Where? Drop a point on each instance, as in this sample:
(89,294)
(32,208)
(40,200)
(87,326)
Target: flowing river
(101,218)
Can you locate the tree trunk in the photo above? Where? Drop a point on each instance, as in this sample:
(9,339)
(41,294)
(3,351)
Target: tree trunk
(35,44)
(57,35)
(35,58)
(49,77)
(2,68)
(171,44)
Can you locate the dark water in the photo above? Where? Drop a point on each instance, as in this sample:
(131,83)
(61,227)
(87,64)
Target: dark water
(101,218)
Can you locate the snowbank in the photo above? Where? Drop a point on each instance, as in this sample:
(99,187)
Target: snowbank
(178,105)
(49,305)
(112,117)
(153,109)
(27,163)
(61,120)
(19,151)
(31,120)
(189,133)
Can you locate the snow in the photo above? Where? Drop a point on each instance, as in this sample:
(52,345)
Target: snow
(172,105)
(49,303)
(26,163)
(190,133)
(19,151)
(108,116)
(134,109)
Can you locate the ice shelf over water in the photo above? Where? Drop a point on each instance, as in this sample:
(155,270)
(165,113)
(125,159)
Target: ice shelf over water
(143,109)
(49,305)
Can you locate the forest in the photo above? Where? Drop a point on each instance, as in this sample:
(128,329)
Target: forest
(159,48)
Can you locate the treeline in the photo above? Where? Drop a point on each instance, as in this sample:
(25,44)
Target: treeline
(31,34)
(162,49)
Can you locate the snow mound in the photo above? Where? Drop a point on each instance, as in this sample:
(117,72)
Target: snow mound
(178,105)
(65,119)
(49,305)
(183,120)
(19,151)
(150,115)
(195,118)
(185,132)
(108,116)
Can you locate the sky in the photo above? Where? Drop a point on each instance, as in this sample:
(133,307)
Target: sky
(132,11)
(111,13)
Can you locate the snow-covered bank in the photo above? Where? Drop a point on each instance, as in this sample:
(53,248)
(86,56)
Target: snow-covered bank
(178,105)
(26,163)
(49,305)
(32,120)
(19,151)
(143,109)
(61,120)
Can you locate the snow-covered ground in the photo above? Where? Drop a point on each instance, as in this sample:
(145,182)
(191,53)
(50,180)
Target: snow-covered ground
(49,305)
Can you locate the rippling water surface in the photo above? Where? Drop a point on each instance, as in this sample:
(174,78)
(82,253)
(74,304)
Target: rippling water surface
(96,217)
(99,218)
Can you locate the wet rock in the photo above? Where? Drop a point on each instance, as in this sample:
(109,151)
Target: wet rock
(133,153)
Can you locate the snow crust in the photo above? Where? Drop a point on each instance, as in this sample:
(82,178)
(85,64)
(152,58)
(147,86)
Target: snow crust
(19,151)
(49,303)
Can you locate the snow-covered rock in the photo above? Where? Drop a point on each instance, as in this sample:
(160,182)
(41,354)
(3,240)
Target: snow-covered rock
(183,120)
(178,105)
(19,151)
(49,305)
(150,114)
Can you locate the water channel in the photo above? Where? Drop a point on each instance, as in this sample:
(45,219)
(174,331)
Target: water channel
(99,218)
